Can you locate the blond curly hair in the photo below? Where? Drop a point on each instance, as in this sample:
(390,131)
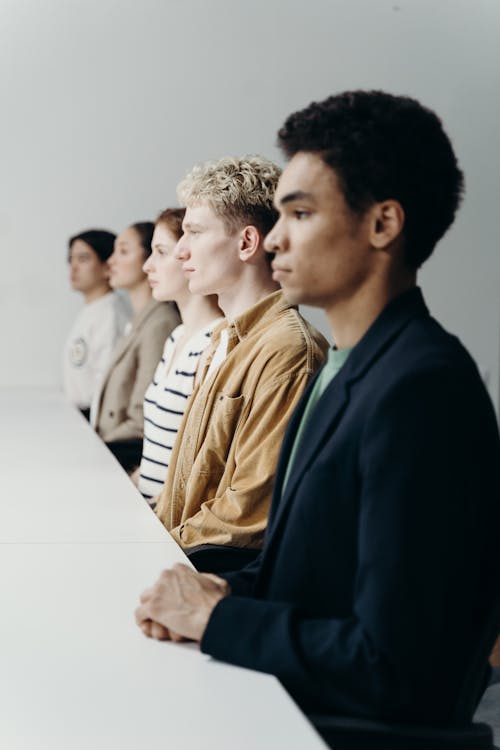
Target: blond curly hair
(239,190)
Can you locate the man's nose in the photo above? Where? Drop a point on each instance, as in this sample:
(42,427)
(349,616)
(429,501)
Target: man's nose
(181,251)
(273,240)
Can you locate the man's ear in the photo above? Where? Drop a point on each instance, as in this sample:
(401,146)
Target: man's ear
(387,222)
(248,243)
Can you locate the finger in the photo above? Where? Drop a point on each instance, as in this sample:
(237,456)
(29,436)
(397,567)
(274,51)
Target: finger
(159,632)
(176,637)
(145,626)
(140,615)
(143,614)
(146,595)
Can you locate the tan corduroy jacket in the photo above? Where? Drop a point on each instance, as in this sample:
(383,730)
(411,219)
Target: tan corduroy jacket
(118,405)
(219,484)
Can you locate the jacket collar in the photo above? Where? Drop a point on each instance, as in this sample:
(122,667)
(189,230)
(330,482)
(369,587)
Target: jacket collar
(259,314)
(384,329)
(264,310)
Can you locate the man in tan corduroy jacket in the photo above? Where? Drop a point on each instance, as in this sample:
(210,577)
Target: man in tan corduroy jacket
(220,478)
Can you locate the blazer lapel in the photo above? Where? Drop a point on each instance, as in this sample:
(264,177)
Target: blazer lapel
(326,413)
(121,348)
(335,398)
(288,440)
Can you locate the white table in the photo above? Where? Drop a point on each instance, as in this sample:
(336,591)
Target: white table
(60,483)
(75,671)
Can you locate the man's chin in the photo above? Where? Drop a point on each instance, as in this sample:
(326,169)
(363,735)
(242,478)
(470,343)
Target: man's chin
(200,290)
(292,296)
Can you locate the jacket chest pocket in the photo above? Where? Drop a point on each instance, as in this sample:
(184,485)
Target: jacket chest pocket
(221,428)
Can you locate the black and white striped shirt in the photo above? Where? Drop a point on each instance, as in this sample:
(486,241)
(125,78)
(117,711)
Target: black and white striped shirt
(164,405)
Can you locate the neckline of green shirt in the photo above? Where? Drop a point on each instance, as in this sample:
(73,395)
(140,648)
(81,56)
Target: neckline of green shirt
(334,362)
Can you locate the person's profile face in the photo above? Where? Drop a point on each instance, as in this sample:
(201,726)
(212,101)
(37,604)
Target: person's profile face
(87,270)
(209,253)
(320,245)
(126,262)
(163,268)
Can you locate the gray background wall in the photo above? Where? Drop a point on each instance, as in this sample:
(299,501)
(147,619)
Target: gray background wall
(107,103)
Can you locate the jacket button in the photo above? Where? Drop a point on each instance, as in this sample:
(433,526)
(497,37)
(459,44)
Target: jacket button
(111,414)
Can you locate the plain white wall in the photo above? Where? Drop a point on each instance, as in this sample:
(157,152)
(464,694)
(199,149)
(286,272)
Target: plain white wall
(107,103)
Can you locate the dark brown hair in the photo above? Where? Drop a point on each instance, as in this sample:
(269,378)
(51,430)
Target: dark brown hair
(145,231)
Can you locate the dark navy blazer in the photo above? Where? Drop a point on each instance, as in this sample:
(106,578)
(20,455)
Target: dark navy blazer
(381,562)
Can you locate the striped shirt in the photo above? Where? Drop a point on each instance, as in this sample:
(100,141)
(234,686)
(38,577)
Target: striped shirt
(164,404)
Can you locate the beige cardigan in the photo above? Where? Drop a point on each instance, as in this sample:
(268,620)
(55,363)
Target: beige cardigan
(118,405)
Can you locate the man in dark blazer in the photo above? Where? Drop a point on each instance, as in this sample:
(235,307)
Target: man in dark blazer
(380,567)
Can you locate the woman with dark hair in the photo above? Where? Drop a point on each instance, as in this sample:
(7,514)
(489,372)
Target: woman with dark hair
(117,410)
(100,323)
(173,382)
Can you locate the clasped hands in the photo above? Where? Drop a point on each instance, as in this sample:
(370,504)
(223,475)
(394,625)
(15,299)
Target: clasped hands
(179,605)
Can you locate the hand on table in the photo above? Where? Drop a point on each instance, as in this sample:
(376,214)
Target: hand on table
(179,604)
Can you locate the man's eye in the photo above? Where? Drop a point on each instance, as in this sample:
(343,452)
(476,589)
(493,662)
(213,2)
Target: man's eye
(299,214)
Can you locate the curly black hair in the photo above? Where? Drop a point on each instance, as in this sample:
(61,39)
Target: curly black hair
(384,147)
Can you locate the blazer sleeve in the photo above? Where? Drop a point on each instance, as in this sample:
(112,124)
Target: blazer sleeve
(242,582)
(428,461)
(148,353)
